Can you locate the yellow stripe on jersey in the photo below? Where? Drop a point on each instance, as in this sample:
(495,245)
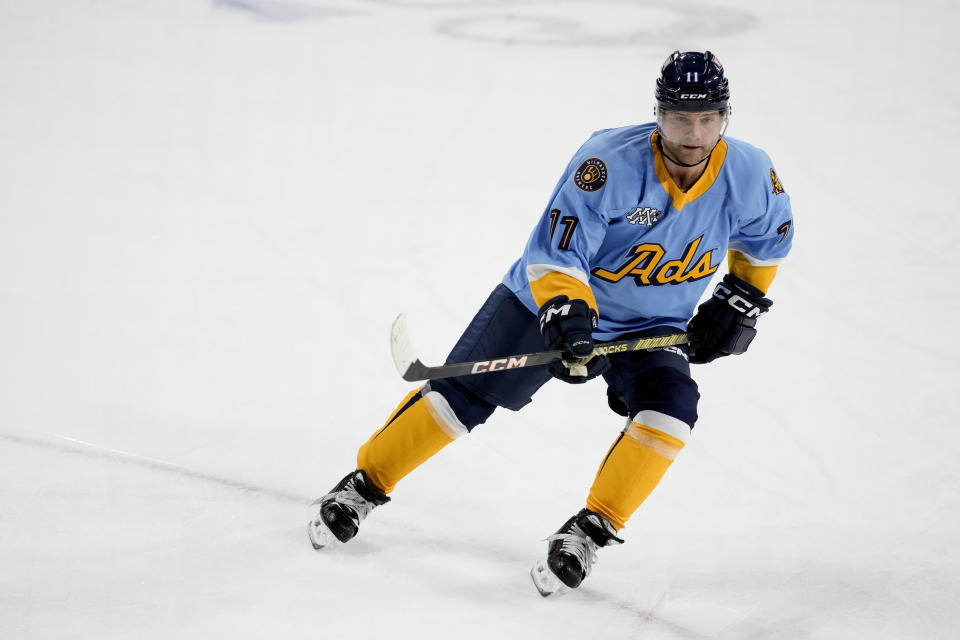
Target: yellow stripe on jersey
(681,198)
(759,276)
(554,284)
(631,471)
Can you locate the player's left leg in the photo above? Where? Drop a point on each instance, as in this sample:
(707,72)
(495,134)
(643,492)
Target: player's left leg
(662,408)
(655,389)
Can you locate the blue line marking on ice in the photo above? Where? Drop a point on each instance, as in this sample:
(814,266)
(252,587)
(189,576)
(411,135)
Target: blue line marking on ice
(280,11)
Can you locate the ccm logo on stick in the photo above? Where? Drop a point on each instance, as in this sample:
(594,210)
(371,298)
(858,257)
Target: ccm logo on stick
(498,365)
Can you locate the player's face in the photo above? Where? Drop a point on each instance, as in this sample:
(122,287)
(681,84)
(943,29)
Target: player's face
(691,135)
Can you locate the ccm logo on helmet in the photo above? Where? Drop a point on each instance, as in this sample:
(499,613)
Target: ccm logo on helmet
(693,96)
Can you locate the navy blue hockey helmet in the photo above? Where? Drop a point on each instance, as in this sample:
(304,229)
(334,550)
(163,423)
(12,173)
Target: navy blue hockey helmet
(692,81)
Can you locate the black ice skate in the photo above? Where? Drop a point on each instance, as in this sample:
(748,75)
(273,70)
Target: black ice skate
(343,509)
(572,551)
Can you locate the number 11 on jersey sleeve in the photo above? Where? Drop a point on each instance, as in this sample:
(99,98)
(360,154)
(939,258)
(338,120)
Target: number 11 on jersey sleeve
(569,223)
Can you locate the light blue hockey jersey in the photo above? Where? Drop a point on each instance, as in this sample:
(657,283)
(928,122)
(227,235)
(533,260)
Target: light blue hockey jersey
(620,234)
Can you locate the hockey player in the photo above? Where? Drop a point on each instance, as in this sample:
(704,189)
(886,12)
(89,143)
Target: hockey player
(641,219)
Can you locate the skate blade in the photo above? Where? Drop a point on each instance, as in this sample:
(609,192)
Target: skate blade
(544,580)
(320,536)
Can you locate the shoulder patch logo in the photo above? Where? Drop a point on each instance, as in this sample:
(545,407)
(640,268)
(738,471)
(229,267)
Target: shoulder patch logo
(777,187)
(591,175)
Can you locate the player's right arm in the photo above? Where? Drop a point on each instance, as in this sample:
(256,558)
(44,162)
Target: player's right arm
(556,265)
(567,236)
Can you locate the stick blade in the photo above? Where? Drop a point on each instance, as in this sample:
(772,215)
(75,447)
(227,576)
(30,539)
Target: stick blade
(404,357)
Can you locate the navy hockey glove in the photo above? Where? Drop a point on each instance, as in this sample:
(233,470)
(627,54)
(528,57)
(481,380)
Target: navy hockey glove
(568,325)
(724,324)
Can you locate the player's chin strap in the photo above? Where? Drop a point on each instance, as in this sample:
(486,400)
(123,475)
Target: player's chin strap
(677,162)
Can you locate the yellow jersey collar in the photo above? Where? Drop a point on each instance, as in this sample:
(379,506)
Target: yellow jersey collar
(705,181)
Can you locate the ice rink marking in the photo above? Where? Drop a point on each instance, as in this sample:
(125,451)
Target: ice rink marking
(90,450)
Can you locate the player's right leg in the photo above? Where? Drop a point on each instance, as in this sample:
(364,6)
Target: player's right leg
(432,417)
(422,425)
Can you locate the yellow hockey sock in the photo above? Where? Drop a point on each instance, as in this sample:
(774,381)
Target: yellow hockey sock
(634,466)
(421,425)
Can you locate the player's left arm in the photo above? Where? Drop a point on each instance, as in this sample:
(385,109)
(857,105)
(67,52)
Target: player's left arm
(726,323)
(762,240)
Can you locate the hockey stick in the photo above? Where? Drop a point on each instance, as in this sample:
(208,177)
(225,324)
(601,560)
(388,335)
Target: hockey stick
(412,369)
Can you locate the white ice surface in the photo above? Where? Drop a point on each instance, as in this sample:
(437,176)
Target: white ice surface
(211,212)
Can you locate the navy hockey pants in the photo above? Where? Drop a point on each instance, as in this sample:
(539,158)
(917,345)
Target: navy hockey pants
(654,379)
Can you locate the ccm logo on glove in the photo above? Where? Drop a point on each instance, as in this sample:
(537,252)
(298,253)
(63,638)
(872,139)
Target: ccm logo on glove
(548,313)
(568,325)
(725,325)
(739,303)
